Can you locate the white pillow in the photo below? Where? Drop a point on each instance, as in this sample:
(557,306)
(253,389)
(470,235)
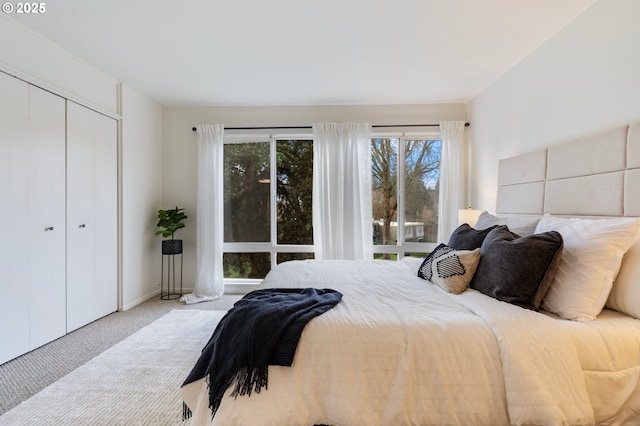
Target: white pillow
(590,261)
(625,294)
(521,225)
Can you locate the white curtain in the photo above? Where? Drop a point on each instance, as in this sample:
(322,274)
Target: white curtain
(452,177)
(209,228)
(342,210)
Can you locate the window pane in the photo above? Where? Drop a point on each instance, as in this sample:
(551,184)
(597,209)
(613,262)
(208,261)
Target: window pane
(246,192)
(294,159)
(421,184)
(385,256)
(384,166)
(246,265)
(417,255)
(285,257)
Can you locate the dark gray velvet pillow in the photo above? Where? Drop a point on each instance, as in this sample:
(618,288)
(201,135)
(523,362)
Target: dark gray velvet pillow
(467,238)
(516,269)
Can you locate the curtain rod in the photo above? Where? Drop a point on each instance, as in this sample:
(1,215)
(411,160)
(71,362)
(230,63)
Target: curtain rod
(309,127)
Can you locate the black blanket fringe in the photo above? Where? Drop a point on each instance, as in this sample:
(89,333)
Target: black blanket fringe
(263,328)
(247,381)
(186,412)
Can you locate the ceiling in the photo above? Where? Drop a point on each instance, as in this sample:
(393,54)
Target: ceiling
(303,52)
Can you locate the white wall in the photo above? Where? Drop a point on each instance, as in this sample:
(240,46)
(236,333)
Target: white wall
(179,144)
(141,192)
(27,54)
(585,79)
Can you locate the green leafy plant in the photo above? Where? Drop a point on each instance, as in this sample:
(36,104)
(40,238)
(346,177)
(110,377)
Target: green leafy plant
(170,221)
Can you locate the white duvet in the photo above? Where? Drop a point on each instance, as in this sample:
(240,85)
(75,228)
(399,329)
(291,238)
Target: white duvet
(397,350)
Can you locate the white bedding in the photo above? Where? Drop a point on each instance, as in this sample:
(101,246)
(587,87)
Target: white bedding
(609,352)
(398,350)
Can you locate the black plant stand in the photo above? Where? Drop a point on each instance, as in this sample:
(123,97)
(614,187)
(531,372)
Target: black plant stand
(171,249)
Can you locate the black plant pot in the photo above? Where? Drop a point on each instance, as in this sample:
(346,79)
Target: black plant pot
(171,246)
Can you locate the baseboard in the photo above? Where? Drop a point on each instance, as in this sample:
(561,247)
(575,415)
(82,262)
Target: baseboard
(239,288)
(150,295)
(228,289)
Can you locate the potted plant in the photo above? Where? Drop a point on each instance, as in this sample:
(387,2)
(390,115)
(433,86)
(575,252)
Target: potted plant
(169,221)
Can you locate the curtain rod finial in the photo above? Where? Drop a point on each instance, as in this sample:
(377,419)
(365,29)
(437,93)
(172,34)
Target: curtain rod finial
(193,128)
(465,125)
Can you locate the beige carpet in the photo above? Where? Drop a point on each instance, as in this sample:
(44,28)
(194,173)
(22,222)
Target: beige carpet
(135,382)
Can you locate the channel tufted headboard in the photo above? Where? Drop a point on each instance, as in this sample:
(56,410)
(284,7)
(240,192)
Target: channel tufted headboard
(597,175)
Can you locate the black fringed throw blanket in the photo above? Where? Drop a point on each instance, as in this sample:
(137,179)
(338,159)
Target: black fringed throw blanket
(263,328)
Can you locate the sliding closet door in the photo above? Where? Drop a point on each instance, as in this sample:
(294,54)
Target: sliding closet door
(46,196)
(14,210)
(32,211)
(91,216)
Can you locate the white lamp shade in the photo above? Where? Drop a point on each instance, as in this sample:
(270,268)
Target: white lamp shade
(469,216)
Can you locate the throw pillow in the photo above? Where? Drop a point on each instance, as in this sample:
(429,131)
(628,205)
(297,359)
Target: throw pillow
(467,238)
(516,269)
(450,269)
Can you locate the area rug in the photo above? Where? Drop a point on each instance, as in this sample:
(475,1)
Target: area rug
(135,382)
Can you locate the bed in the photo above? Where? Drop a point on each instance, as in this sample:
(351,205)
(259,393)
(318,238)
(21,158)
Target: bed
(403,350)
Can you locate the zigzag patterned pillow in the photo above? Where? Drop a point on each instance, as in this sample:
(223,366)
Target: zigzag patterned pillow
(450,269)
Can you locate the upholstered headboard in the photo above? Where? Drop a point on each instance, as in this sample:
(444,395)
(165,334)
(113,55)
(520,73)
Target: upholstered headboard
(597,175)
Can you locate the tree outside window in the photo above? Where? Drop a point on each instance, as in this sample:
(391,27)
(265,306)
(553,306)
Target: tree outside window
(416,203)
(264,221)
(268,187)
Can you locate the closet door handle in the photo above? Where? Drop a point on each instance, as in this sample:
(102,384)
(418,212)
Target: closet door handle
(50,228)
(82,225)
